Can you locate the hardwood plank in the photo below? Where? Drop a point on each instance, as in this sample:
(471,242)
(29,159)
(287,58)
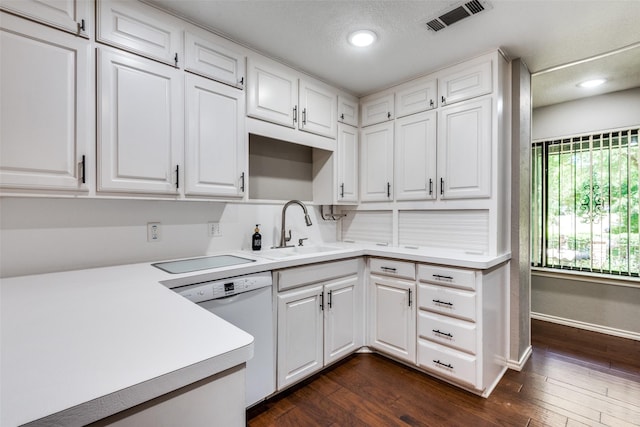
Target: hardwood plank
(574,378)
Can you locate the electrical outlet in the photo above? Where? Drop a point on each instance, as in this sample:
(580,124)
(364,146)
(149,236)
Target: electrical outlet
(214,229)
(153,232)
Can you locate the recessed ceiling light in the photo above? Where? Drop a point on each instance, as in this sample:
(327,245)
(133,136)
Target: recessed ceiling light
(362,38)
(591,83)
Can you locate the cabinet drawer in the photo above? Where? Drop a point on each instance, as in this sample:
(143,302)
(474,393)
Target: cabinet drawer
(451,332)
(377,110)
(300,276)
(450,302)
(447,362)
(454,277)
(207,58)
(393,268)
(465,81)
(141,29)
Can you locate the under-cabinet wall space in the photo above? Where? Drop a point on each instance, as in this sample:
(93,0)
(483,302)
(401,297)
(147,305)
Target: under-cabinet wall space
(368,227)
(464,231)
(279,170)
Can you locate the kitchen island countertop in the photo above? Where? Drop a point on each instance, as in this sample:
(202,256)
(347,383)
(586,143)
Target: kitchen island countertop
(81,345)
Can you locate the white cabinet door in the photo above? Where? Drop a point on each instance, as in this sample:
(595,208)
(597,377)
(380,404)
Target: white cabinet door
(464,150)
(347,160)
(378,110)
(318,109)
(139,124)
(45,108)
(272,93)
(348,110)
(465,81)
(376,163)
(393,317)
(416,97)
(210,59)
(214,144)
(300,327)
(140,28)
(341,320)
(415,159)
(73,16)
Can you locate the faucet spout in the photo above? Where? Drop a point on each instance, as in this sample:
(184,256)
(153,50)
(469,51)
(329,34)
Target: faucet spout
(283,232)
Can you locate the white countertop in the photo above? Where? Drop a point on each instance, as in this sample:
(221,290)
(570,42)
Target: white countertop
(81,345)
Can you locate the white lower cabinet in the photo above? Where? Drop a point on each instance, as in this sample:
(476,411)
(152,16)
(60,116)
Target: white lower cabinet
(300,334)
(318,323)
(462,329)
(392,312)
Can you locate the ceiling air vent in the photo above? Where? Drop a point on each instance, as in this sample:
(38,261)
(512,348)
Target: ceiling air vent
(457,13)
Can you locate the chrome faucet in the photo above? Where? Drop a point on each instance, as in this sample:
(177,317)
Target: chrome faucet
(283,234)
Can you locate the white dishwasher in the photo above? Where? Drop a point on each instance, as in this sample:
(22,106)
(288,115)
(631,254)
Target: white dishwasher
(246,302)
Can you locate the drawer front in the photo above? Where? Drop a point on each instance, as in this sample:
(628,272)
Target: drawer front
(448,363)
(314,273)
(387,267)
(458,334)
(454,277)
(447,301)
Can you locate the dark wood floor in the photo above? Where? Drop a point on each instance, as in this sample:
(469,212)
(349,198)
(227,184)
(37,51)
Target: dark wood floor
(573,378)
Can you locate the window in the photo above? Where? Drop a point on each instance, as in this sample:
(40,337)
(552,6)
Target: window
(585,203)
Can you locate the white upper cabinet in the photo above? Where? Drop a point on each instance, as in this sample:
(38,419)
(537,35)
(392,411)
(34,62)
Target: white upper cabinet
(415,157)
(376,163)
(140,28)
(318,109)
(465,81)
(348,110)
(209,59)
(45,108)
(215,140)
(416,96)
(140,124)
(464,150)
(276,94)
(74,16)
(377,110)
(272,93)
(347,159)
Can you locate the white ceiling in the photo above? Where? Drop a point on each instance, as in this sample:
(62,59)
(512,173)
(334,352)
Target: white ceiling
(311,36)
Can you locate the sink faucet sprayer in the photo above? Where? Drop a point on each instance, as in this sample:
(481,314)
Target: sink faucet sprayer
(283,234)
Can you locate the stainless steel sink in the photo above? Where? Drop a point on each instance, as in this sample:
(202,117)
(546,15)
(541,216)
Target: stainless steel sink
(278,253)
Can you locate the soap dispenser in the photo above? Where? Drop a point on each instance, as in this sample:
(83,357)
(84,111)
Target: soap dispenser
(256,240)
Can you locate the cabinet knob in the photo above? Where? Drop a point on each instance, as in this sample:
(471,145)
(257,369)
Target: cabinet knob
(443,99)
(342,116)
(388,115)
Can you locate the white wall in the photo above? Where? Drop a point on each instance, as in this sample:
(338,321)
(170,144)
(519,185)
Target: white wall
(611,111)
(609,307)
(41,235)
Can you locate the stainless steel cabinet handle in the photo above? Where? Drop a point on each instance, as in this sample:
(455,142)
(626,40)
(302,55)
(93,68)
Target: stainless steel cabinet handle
(242,182)
(437,301)
(177,176)
(409,297)
(442,186)
(389,269)
(430,186)
(84,165)
(388,189)
(330,299)
(342,190)
(295,113)
(322,301)
(304,116)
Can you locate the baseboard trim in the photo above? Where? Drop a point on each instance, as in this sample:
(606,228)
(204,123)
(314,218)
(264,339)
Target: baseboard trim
(517,365)
(587,326)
